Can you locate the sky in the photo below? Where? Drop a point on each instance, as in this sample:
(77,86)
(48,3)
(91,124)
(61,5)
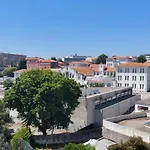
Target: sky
(61,28)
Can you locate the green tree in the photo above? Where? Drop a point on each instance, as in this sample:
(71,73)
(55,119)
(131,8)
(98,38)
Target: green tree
(60,60)
(101,59)
(72,146)
(8,83)
(4,118)
(53,58)
(43,99)
(21,134)
(141,59)
(134,143)
(3,143)
(9,72)
(22,64)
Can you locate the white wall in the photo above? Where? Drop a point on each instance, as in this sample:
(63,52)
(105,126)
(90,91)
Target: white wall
(146,81)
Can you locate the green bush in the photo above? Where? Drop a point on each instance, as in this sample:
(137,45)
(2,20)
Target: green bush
(23,133)
(72,146)
(134,143)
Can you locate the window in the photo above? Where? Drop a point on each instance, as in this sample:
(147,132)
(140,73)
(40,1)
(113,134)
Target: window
(132,78)
(134,70)
(141,86)
(134,86)
(119,70)
(126,77)
(141,78)
(141,70)
(119,77)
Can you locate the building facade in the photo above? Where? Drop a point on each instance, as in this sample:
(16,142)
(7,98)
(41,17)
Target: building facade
(136,75)
(114,61)
(73,58)
(40,63)
(7,59)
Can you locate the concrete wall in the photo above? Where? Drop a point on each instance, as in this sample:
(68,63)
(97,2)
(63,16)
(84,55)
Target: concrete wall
(115,110)
(115,131)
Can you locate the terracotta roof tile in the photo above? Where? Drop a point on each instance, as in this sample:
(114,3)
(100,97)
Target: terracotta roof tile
(110,69)
(79,62)
(84,70)
(94,67)
(134,65)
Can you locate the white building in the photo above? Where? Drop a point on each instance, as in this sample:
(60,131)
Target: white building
(136,75)
(78,74)
(114,61)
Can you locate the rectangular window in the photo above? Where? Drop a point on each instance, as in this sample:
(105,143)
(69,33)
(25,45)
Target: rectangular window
(135,78)
(135,70)
(132,78)
(142,86)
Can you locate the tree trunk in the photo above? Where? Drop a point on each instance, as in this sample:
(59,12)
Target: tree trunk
(43,130)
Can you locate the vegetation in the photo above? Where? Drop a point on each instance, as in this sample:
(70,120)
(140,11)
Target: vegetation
(4,118)
(141,59)
(8,83)
(72,146)
(23,133)
(101,59)
(53,58)
(1,74)
(44,99)
(22,64)
(9,72)
(3,144)
(97,85)
(134,143)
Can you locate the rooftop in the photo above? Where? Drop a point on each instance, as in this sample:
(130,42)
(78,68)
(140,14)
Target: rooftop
(84,70)
(144,102)
(137,123)
(133,64)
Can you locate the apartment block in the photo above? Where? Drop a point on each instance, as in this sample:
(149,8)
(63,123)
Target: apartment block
(136,75)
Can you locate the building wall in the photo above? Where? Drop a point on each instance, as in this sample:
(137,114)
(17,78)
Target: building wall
(10,59)
(70,73)
(137,83)
(109,128)
(116,109)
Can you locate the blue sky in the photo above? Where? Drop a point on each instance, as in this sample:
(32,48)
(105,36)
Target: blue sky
(64,27)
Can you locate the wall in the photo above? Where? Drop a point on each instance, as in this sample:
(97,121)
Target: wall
(115,131)
(146,81)
(64,138)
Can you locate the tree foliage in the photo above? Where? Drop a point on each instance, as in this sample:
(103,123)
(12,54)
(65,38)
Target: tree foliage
(8,83)
(9,72)
(22,64)
(43,99)
(3,143)
(141,59)
(53,58)
(134,143)
(4,118)
(23,133)
(101,59)
(72,146)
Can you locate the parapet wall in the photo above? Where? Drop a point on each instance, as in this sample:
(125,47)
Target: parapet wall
(117,132)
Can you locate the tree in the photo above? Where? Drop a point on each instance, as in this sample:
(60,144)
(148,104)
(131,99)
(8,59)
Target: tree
(21,134)
(8,83)
(9,72)
(22,64)
(141,59)
(3,144)
(134,143)
(101,59)
(72,146)
(4,118)
(59,60)
(53,58)
(43,99)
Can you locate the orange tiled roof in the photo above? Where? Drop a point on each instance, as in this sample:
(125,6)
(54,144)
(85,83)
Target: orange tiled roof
(46,60)
(110,69)
(134,65)
(61,63)
(148,61)
(119,57)
(84,70)
(94,67)
(33,58)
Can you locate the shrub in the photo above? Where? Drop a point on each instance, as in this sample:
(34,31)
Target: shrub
(23,133)
(133,143)
(72,146)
